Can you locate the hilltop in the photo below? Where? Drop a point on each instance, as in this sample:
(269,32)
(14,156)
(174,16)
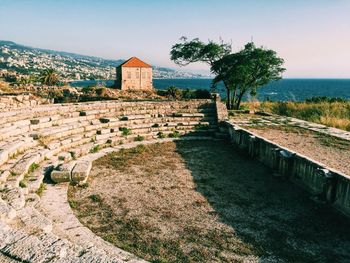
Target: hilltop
(30,60)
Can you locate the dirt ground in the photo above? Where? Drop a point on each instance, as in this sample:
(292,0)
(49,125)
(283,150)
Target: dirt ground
(201,201)
(326,149)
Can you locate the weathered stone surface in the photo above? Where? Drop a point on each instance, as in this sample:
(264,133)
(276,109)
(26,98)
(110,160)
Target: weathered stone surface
(15,198)
(65,156)
(81,171)
(22,166)
(63,173)
(6,212)
(34,220)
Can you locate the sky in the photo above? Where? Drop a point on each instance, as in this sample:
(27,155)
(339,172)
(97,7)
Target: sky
(313,36)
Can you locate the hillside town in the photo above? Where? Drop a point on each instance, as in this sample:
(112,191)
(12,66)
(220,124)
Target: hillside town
(31,61)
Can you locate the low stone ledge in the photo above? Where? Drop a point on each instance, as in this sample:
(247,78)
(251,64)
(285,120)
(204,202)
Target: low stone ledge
(298,168)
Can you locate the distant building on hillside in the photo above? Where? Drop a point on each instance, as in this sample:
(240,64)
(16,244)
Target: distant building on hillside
(134,74)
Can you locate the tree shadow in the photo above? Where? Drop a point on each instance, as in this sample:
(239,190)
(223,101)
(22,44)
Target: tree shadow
(271,214)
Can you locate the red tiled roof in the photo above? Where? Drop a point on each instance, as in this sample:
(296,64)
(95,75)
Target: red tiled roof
(134,62)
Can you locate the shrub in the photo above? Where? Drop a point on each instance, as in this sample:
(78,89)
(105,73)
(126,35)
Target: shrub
(86,90)
(22,184)
(95,149)
(125,131)
(139,138)
(100,91)
(174,93)
(161,135)
(95,198)
(174,134)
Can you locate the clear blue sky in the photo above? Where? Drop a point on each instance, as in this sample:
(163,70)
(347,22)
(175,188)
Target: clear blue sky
(313,36)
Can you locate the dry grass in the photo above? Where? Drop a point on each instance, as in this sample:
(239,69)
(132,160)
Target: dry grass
(203,202)
(333,114)
(329,150)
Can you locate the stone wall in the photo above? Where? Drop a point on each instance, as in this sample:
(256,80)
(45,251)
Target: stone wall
(221,110)
(324,183)
(8,102)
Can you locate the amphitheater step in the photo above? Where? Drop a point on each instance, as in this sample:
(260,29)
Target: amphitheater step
(34,220)
(15,198)
(6,212)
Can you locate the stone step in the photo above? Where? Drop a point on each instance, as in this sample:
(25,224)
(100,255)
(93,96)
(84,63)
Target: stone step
(6,212)
(34,220)
(15,198)
(74,110)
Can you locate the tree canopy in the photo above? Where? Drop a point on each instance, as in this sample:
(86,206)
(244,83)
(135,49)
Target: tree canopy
(189,51)
(241,72)
(49,77)
(246,71)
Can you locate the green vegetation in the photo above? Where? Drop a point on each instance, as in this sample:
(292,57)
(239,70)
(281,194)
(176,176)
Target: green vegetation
(49,77)
(174,134)
(161,135)
(95,149)
(41,189)
(125,131)
(22,184)
(174,93)
(95,198)
(139,138)
(330,112)
(72,203)
(241,73)
(33,167)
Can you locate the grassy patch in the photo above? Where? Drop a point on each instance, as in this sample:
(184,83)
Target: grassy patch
(174,134)
(41,189)
(33,167)
(161,135)
(333,113)
(22,184)
(95,149)
(200,201)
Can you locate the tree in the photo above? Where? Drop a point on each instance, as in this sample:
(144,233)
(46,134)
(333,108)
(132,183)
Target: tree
(195,50)
(246,71)
(190,51)
(49,77)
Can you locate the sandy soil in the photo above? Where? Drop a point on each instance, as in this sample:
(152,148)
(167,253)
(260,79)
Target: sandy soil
(328,150)
(203,202)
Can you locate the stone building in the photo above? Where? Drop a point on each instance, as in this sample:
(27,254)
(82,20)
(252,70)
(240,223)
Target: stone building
(134,74)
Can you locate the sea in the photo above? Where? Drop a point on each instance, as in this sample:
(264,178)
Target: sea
(282,90)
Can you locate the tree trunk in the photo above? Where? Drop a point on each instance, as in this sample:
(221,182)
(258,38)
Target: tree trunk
(228,99)
(239,100)
(234,97)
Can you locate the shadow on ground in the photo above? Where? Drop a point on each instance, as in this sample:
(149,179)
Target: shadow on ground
(280,221)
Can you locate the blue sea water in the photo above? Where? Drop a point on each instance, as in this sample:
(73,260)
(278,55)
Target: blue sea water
(285,89)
